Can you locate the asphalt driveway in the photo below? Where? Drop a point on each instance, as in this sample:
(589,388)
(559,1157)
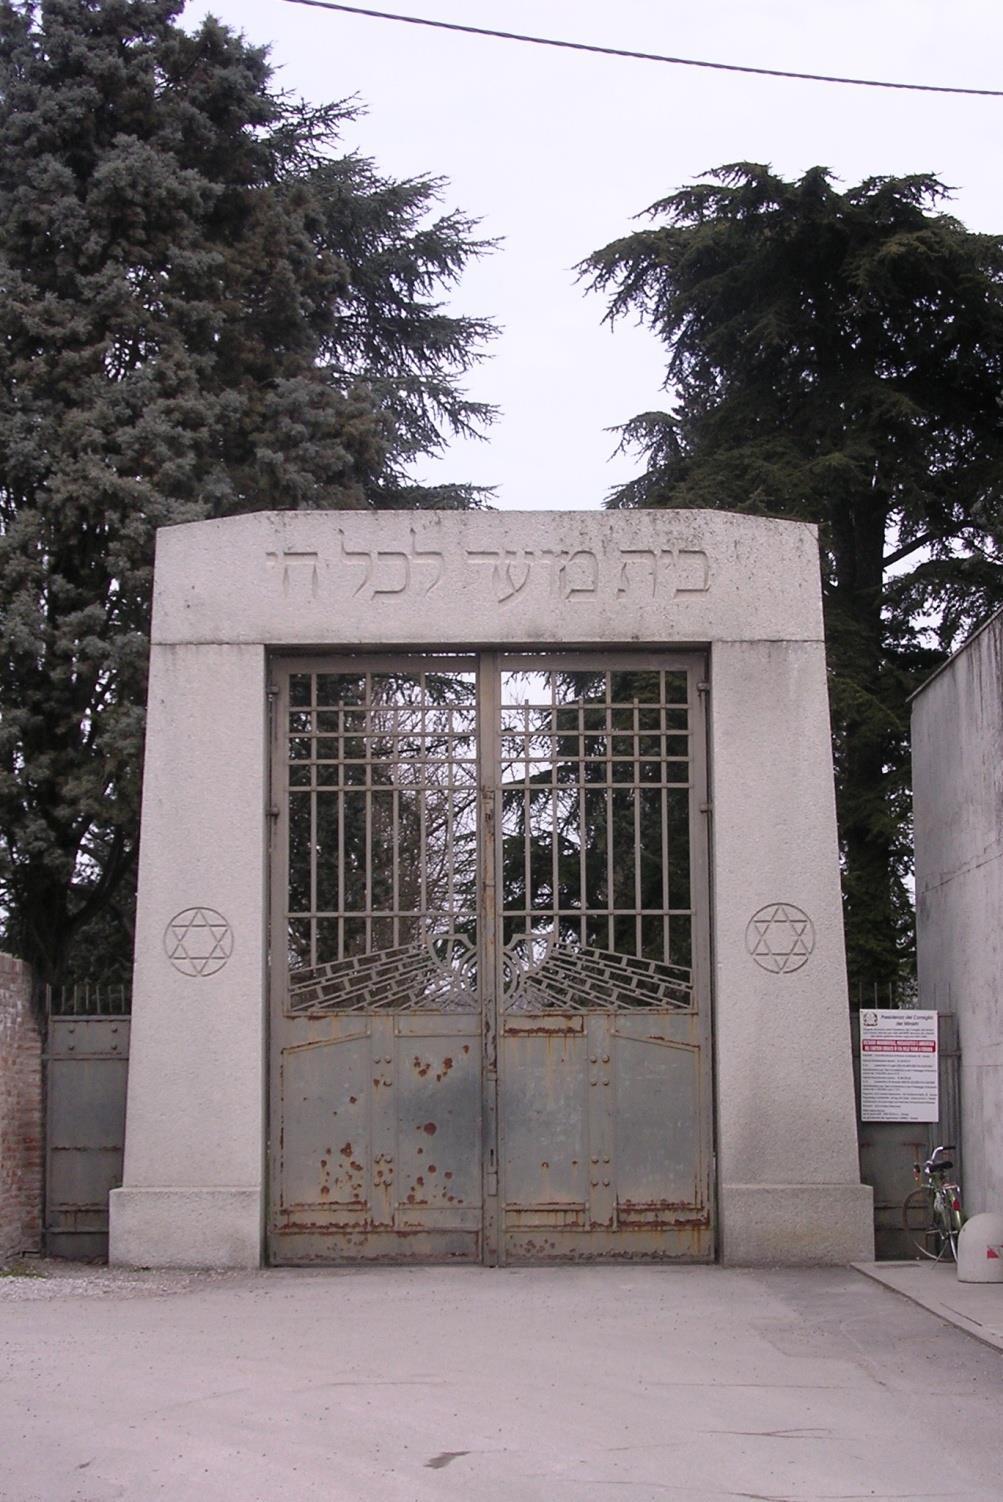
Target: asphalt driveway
(476,1385)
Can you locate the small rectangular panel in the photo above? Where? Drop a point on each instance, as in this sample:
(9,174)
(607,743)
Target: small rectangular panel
(601,1119)
(543,1145)
(86,1101)
(325,1091)
(661,1166)
(438,1127)
(90,1037)
(295,1248)
(78,1184)
(678,1243)
(465,1025)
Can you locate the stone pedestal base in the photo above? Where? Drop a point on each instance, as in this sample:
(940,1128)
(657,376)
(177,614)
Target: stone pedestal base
(795,1225)
(185,1228)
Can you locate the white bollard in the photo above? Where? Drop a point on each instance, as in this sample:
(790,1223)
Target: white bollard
(980,1250)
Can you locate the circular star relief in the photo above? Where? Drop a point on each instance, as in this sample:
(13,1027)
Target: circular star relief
(198,941)
(780,937)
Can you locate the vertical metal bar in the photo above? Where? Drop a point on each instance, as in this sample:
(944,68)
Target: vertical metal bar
(342,775)
(663,777)
(527,816)
(278,911)
(600,1116)
(583,825)
(367,773)
(555,873)
(381,1188)
(395,841)
(489,948)
(610,869)
(313,796)
(698,709)
(638,920)
(421,793)
(284,699)
(448,782)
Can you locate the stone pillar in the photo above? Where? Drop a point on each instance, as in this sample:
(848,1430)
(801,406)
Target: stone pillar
(789,1186)
(192,1192)
(21,1144)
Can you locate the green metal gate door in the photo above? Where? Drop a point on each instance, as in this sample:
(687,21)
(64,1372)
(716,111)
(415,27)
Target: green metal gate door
(489,971)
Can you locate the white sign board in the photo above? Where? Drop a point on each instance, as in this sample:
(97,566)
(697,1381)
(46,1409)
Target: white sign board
(898,1066)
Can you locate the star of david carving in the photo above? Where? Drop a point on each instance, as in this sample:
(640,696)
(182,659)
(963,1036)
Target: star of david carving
(198,941)
(780,937)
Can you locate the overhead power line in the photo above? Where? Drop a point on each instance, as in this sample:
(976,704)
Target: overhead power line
(644,57)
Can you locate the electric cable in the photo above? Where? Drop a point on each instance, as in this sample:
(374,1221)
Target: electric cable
(646,57)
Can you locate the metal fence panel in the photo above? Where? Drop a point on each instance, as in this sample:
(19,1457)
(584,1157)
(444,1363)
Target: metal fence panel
(87,1061)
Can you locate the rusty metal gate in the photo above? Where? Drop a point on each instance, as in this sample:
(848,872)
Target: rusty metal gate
(86,1070)
(489,972)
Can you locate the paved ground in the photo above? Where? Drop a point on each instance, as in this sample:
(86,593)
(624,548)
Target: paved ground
(477,1385)
(975,1307)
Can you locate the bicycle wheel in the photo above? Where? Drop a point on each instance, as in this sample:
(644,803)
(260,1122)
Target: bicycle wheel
(922,1224)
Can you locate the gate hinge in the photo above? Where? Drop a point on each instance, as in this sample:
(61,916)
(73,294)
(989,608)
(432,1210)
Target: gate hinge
(703,687)
(706,808)
(272,693)
(273,810)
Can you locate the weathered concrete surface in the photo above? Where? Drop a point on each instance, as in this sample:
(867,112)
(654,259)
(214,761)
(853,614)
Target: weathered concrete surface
(957,730)
(462,578)
(975,1307)
(590,1384)
(789,1189)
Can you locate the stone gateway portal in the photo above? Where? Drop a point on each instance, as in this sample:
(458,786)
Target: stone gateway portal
(489,900)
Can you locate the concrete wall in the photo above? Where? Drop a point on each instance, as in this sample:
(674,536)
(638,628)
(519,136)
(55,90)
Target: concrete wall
(745,588)
(21,1148)
(957,737)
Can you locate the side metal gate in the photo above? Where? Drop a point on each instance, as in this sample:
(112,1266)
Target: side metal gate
(490,1017)
(86,1070)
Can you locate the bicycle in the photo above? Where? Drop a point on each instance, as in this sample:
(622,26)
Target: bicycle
(932,1213)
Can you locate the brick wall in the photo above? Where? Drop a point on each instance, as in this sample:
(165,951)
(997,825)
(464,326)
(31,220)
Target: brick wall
(21,1147)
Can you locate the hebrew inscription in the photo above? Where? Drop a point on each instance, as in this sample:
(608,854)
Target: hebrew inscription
(579,573)
(561,575)
(295,569)
(388,572)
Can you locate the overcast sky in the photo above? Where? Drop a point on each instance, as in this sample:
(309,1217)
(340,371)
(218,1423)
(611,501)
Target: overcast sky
(555,152)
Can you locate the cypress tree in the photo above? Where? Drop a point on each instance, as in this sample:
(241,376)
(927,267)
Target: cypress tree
(837,357)
(207,307)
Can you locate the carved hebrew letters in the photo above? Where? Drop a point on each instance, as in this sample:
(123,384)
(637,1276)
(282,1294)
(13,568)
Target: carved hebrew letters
(296,568)
(568,575)
(644,573)
(583,565)
(561,574)
(511,570)
(388,572)
(693,565)
(638,566)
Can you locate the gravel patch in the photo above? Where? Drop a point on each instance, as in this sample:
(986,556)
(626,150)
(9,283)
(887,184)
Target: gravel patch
(31,1279)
